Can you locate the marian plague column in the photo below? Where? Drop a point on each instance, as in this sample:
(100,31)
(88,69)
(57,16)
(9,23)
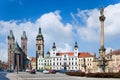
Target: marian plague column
(102,61)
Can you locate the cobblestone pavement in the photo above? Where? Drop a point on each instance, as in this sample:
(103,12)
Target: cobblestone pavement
(41,76)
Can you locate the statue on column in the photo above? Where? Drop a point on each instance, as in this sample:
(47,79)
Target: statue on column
(101,10)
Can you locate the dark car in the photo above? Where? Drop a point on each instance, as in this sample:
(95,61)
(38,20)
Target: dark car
(9,70)
(63,71)
(52,71)
(33,71)
(72,71)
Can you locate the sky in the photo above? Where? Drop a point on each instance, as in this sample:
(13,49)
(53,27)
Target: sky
(63,22)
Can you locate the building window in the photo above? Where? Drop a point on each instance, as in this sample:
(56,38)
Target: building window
(39,48)
(53,63)
(64,55)
(23,46)
(75,67)
(72,63)
(60,63)
(69,63)
(90,64)
(75,63)
(72,58)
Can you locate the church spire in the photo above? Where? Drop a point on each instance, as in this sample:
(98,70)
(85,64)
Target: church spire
(76,45)
(11,35)
(24,35)
(39,30)
(39,36)
(54,46)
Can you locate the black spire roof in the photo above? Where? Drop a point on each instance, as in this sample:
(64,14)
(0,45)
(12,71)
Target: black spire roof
(54,46)
(39,36)
(76,46)
(24,35)
(11,35)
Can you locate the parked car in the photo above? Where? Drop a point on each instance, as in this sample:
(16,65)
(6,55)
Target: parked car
(41,70)
(52,71)
(46,72)
(72,71)
(33,71)
(9,70)
(63,71)
(27,70)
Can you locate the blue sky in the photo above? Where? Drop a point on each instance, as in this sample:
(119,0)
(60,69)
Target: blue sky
(62,21)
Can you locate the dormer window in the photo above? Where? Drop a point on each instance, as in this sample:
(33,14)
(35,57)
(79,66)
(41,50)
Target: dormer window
(64,55)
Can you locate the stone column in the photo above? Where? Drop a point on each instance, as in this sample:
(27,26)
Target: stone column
(102,62)
(102,49)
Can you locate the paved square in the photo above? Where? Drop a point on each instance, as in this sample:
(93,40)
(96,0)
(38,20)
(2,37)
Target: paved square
(41,76)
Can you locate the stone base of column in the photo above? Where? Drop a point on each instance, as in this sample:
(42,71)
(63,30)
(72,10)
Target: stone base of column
(102,52)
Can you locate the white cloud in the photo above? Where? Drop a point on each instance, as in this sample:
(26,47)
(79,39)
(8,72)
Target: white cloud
(108,50)
(58,32)
(66,48)
(53,30)
(112,14)
(89,24)
(3,51)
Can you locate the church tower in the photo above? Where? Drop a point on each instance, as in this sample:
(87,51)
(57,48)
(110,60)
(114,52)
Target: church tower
(76,49)
(39,46)
(11,41)
(24,43)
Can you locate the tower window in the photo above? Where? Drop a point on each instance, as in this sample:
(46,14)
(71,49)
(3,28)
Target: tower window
(39,48)
(23,46)
(10,46)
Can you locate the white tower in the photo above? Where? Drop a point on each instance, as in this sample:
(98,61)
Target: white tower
(54,50)
(76,49)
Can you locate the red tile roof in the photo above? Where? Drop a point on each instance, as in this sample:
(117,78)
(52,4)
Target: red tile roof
(84,54)
(33,59)
(62,53)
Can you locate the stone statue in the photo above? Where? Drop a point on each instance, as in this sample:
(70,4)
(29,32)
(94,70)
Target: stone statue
(101,10)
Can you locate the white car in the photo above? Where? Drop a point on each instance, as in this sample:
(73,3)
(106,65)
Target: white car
(27,70)
(46,72)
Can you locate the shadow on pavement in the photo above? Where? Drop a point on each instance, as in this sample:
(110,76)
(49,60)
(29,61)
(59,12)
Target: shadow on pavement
(3,76)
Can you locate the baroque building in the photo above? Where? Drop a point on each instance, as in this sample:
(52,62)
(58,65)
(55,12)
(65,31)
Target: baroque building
(17,56)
